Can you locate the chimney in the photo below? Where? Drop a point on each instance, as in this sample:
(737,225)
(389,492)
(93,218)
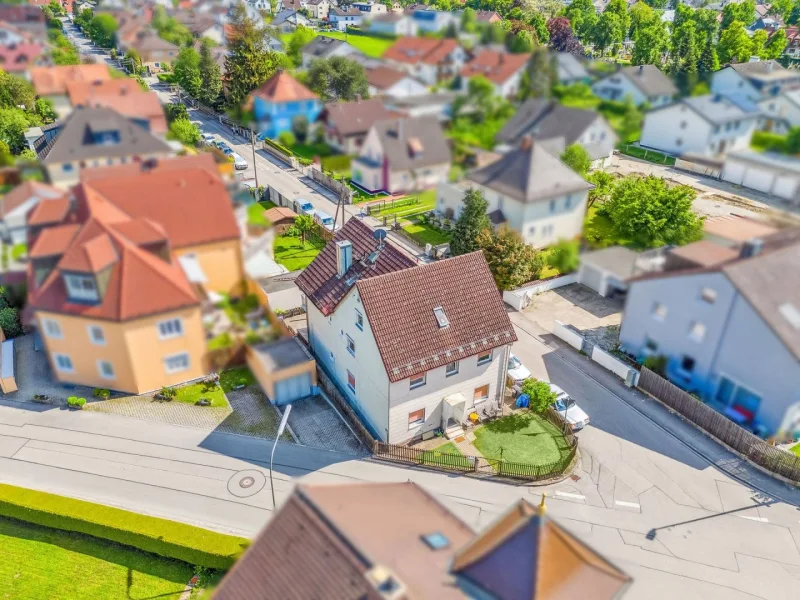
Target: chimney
(344,257)
(751,248)
(526,142)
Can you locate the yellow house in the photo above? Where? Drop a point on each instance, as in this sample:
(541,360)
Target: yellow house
(117,286)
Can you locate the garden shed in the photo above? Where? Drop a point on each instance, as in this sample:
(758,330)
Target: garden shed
(285,370)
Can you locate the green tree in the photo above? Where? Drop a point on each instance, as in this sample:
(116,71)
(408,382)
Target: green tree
(540,75)
(539,24)
(337,79)
(170,29)
(83,18)
(620,8)
(493,34)
(793,141)
(759,42)
(287,139)
(210,76)
(13,124)
(44,110)
(684,54)
(651,43)
(481,98)
(794,14)
(184,131)
(469,20)
(176,111)
(9,322)
(583,17)
(709,61)
(540,394)
(301,36)
(776,44)
(734,43)
(15,92)
(642,16)
(187,71)
(603,182)
(6,158)
(103,29)
(56,9)
(304,224)
(470,223)
(738,11)
(520,42)
(658,4)
(631,120)
(511,261)
(300,128)
(651,213)
(564,256)
(133,61)
(607,32)
(577,159)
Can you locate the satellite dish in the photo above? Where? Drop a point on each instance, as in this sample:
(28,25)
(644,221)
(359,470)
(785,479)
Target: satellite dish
(380,234)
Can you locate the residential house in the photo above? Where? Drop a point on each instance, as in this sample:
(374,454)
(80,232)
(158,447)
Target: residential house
(487,16)
(19,58)
(433,21)
(408,362)
(728,322)
(50,83)
(326,47)
(528,190)
(346,124)
(402,154)
(370,9)
(278,101)
(342,18)
(156,54)
(319,9)
(395,540)
(428,59)
(204,25)
(122,95)
(393,23)
(544,120)
(288,20)
(502,69)
(260,5)
(29,19)
(118,284)
(17,203)
(792,50)
(706,125)
(643,83)
(770,24)
(438,105)
(780,113)
(295,5)
(10,35)
(570,69)
(386,81)
(754,80)
(92,137)
(734,230)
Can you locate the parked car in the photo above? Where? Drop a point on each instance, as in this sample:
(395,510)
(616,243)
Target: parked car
(304,207)
(239,163)
(566,406)
(207,139)
(325,220)
(516,370)
(223,147)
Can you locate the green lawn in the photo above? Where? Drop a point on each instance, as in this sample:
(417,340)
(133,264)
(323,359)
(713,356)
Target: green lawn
(311,151)
(795,449)
(18,251)
(237,310)
(371,46)
(448,448)
(190,394)
(233,377)
(255,213)
(446,455)
(39,562)
(410,205)
(598,231)
(648,155)
(425,234)
(223,340)
(524,438)
(290,253)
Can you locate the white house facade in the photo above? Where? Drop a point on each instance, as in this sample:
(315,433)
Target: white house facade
(645,83)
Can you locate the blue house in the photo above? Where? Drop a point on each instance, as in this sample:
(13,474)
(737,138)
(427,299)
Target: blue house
(278,101)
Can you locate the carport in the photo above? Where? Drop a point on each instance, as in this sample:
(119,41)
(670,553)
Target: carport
(285,370)
(606,271)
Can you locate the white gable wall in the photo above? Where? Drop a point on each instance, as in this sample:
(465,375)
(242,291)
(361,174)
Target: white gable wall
(676,129)
(728,82)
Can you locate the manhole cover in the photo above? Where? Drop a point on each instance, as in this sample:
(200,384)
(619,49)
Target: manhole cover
(246,483)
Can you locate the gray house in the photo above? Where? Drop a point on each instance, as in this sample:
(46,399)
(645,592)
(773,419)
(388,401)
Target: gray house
(327,47)
(15,206)
(728,322)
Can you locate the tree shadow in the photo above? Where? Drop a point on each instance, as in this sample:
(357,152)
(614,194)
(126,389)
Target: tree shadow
(510,424)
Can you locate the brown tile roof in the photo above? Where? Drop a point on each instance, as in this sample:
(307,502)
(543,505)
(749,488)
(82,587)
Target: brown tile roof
(382,77)
(201,160)
(19,57)
(27,191)
(53,241)
(49,211)
(278,213)
(281,87)
(546,560)
(705,253)
(49,81)
(400,310)
(497,67)
(319,281)
(357,117)
(736,228)
(80,92)
(140,105)
(413,50)
(487,16)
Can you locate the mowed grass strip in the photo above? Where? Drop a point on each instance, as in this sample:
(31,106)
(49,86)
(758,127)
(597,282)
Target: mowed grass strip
(523,438)
(40,563)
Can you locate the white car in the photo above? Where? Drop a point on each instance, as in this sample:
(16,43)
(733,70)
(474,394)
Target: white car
(325,220)
(207,139)
(566,406)
(304,207)
(516,370)
(239,163)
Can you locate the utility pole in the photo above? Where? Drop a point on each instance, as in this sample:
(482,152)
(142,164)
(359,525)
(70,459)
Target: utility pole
(253,144)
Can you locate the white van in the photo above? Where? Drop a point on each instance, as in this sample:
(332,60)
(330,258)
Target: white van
(325,220)
(239,163)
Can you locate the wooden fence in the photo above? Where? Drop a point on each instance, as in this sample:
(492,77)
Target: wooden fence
(750,446)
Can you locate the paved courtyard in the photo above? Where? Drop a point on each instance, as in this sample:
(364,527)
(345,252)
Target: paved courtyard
(317,425)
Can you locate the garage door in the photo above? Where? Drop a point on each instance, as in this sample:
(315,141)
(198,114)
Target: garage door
(734,172)
(293,388)
(786,186)
(758,179)
(591,277)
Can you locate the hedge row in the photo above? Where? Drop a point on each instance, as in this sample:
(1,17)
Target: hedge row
(158,536)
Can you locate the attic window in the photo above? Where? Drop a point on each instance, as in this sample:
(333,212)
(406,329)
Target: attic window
(436,540)
(415,146)
(441,318)
(791,314)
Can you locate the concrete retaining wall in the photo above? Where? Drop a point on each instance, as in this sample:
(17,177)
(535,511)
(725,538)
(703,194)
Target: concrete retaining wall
(627,373)
(573,338)
(521,297)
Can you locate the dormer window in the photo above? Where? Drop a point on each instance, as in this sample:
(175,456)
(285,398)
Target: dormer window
(81,288)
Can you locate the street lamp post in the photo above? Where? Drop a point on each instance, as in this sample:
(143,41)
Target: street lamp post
(281,427)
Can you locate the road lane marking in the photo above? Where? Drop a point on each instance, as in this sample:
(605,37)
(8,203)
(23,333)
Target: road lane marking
(749,518)
(628,504)
(569,495)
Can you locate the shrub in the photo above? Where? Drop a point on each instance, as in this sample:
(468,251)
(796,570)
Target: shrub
(657,364)
(101,393)
(292,231)
(75,402)
(243,381)
(150,534)
(287,139)
(9,322)
(540,394)
(168,393)
(336,162)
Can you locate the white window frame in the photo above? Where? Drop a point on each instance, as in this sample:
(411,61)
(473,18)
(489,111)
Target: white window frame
(413,386)
(58,367)
(168,323)
(359,320)
(418,422)
(487,360)
(352,388)
(170,371)
(447,372)
(350,342)
(95,341)
(697,331)
(100,364)
(660,311)
(76,290)
(47,324)
(485,398)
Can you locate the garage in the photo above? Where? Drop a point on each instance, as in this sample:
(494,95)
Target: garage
(284,369)
(291,388)
(606,271)
(758,179)
(766,172)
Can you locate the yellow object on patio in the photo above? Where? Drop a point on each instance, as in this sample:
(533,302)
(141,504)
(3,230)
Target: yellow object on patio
(474,417)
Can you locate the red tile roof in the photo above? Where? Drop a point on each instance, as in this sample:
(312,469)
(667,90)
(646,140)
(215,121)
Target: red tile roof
(19,57)
(49,211)
(203,160)
(26,191)
(80,92)
(413,50)
(400,310)
(140,105)
(49,81)
(382,77)
(91,256)
(497,67)
(282,87)
(53,241)
(319,281)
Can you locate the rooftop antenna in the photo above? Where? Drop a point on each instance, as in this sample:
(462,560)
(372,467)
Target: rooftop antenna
(380,235)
